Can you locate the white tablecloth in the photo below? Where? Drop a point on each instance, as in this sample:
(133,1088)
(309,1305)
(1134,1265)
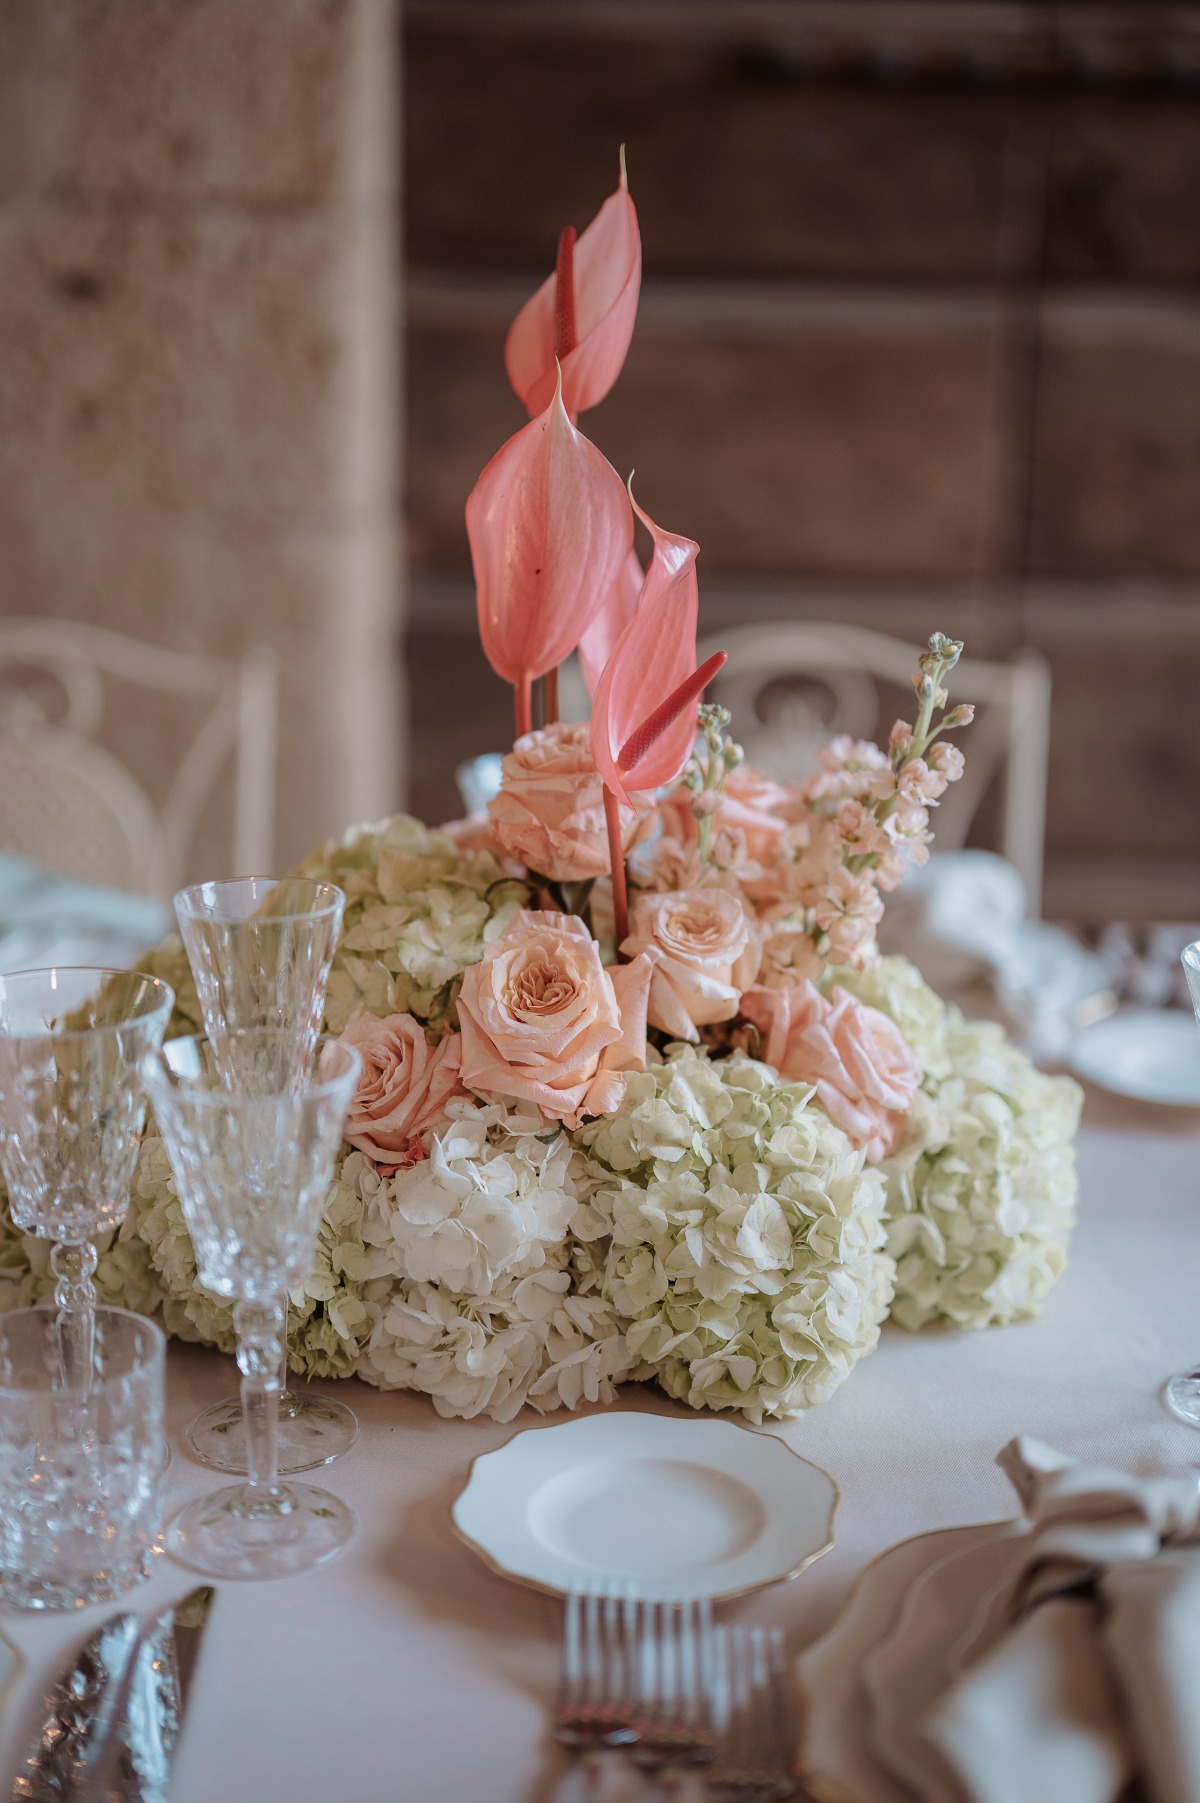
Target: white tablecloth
(408,1673)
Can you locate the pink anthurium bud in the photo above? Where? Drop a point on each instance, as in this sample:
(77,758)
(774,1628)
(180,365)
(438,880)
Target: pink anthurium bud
(651,669)
(583,314)
(610,620)
(550,525)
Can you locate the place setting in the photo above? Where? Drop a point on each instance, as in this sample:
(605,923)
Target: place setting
(614,1082)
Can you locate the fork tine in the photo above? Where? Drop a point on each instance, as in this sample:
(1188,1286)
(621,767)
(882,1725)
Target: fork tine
(594,1675)
(740,1739)
(782,1729)
(759,1698)
(571,1687)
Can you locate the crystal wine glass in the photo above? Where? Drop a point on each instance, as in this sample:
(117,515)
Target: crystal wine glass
(260,949)
(252,1127)
(72,1106)
(1181,1393)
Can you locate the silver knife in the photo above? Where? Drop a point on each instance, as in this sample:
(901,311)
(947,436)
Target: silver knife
(136,1767)
(81,1712)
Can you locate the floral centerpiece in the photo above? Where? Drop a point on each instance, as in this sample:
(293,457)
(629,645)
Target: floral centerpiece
(640,1099)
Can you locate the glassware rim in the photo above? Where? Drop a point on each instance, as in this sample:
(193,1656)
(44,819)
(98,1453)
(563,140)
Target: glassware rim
(1190,955)
(183,904)
(155,1356)
(156,1056)
(164,1007)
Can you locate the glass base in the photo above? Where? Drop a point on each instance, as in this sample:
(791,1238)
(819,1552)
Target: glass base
(233,1534)
(313,1430)
(1181,1396)
(23,1590)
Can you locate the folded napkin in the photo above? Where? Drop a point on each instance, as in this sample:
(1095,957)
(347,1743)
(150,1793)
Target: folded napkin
(1056,1659)
(46,918)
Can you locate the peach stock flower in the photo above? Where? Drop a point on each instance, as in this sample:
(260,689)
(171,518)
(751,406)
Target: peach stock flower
(550,809)
(865,1073)
(404,1085)
(543,1020)
(703,952)
(750,834)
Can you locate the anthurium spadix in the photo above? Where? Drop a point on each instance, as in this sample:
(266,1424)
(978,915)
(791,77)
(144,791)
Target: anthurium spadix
(550,525)
(583,314)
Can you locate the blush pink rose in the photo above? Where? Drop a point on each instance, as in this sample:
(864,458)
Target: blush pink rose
(550,809)
(703,951)
(864,1071)
(543,1020)
(404,1085)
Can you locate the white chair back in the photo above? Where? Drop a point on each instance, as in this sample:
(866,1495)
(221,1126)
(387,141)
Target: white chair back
(792,684)
(68,802)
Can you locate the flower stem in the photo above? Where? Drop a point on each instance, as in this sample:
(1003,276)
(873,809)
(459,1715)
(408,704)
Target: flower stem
(550,697)
(523,706)
(616,857)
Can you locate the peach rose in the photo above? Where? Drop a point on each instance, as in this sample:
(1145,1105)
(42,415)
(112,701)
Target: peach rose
(550,809)
(544,1021)
(865,1073)
(704,952)
(404,1085)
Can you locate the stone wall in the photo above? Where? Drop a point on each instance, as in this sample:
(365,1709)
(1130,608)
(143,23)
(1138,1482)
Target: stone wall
(198,386)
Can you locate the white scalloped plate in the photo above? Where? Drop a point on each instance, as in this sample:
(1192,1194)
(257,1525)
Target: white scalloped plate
(669,1507)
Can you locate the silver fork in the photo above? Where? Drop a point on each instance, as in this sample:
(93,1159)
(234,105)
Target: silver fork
(755,1760)
(597,1697)
(675,1691)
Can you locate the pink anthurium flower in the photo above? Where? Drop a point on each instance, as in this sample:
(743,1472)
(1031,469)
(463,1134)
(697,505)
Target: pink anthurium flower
(645,707)
(550,525)
(652,661)
(610,620)
(583,314)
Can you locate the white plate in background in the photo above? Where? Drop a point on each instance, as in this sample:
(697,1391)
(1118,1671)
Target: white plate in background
(1151,1056)
(667,1507)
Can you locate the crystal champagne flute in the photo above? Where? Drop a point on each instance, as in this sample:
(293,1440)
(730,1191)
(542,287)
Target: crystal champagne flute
(252,1128)
(260,949)
(72,1107)
(1181,1393)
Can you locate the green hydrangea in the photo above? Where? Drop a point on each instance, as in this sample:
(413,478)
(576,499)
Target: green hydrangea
(982,1192)
(418,912)
(745,1251)
(327,1318)
(169,963)
(125,1276)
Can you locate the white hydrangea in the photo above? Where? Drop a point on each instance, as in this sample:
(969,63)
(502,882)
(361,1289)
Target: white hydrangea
(982,1194)
(746,1251)
(479,1295)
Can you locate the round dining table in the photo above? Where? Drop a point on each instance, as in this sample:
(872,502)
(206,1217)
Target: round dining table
(409,1672)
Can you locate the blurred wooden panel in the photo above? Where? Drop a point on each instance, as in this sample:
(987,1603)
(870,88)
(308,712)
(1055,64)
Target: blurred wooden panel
(1122,195)
(1116,464)
(786,434)
(737,166)
(1124,770)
